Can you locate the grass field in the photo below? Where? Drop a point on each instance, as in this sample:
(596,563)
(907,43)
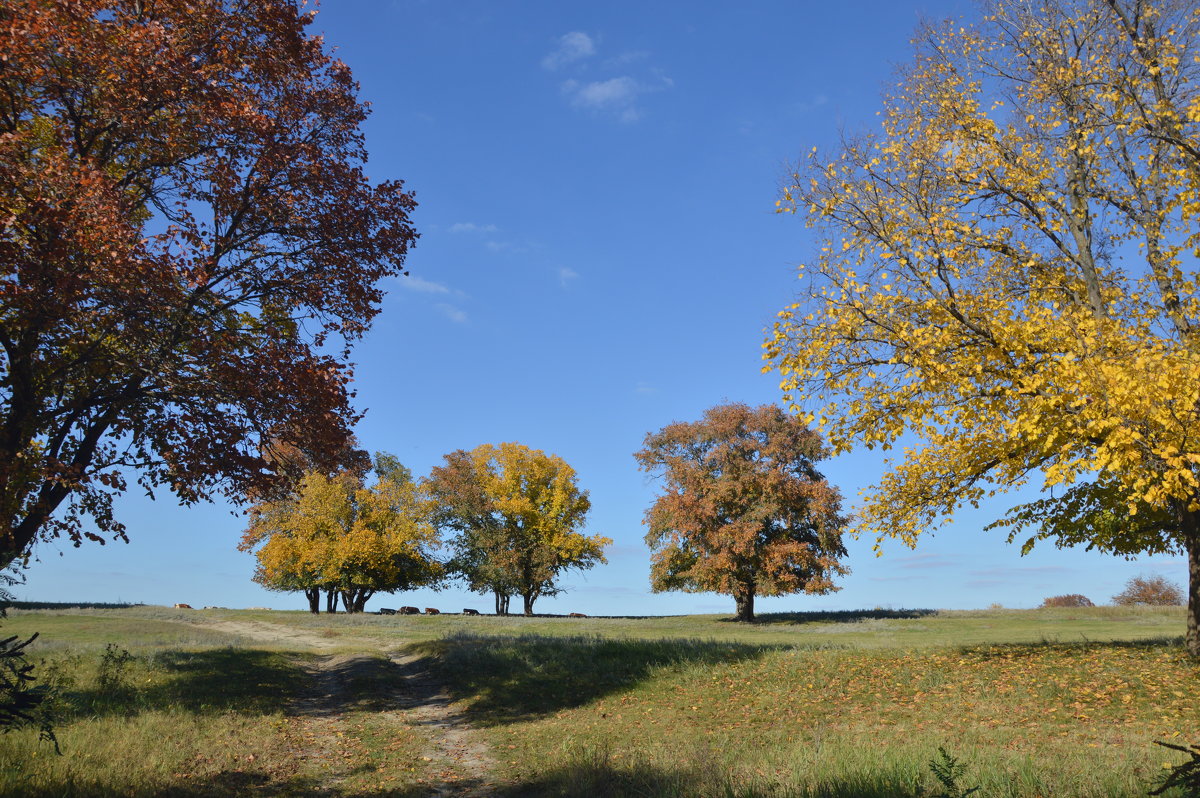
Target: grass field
(1063,702)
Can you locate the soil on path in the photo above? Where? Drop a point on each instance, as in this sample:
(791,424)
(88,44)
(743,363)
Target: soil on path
(414,701)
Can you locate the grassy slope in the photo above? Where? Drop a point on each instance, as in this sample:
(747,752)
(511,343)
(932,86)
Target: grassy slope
(1035,702)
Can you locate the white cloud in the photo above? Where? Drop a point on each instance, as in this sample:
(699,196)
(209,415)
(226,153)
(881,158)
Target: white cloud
(456,315)
(414,283)
(471,227)
(646,389)
(617,96)
(566,275)
(573,46)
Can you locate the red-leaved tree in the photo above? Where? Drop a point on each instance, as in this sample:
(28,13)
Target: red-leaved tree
(745,511)
(188,245)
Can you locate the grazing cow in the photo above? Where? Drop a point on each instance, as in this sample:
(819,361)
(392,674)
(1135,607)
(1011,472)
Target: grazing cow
(577,615)
(410,611)
(432,611)
(470,612)
(183,606)
(386,611)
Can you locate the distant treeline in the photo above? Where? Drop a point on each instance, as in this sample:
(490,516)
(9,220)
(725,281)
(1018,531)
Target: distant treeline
(64,605)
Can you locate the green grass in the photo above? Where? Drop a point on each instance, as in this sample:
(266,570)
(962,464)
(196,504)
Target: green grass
(1057,702)
(584,716)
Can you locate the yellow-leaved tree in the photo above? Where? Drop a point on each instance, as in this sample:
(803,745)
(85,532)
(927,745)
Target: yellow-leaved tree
(338,534)
(1008,276)
(514,513)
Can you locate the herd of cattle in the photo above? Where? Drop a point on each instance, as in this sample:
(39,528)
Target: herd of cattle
(436,611)
(385,610)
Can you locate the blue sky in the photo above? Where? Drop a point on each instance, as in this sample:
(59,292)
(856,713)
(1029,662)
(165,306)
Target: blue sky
(599,257)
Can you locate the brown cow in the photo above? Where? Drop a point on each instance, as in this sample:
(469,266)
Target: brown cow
(577,615)
(470,612)
(432,611)
(183,606)
(410,611)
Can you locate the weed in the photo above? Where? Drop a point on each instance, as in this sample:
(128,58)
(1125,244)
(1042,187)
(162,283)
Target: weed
(111,680)
(949,771)
(1186,776)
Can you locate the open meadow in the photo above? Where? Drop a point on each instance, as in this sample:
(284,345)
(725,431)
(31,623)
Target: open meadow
(1050,702)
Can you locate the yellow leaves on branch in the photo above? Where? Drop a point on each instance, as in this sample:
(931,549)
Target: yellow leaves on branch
(1012,281)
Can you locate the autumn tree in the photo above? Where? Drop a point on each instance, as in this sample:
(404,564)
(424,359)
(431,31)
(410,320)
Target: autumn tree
(513,513)
(1152,591)
(1007,278)
(744,511)
(189,246)
(339,535)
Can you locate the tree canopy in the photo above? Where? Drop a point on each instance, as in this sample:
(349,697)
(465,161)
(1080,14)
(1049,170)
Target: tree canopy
(340,534)
(1007,277)
(188,244)
(744,511)
(513,512)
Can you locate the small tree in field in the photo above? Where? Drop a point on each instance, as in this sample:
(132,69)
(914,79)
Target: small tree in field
(1154,591)
(513,512)
(1069,600)
(745,511)
(339,535)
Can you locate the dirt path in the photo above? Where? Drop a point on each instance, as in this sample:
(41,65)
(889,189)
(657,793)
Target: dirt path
(452,741)
(455,751)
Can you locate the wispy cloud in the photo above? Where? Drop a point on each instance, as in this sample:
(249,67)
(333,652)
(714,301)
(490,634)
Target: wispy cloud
(566,275)
(812,104)
(1019,571)
(572,47)
(456,315)
(616,96)
(625,59)
(471,227)
(414,283)
(645,388)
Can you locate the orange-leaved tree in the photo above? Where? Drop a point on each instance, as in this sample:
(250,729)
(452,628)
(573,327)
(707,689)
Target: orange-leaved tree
(340,534)
(1007,276)
(189,245)
(744,511)
(514,513)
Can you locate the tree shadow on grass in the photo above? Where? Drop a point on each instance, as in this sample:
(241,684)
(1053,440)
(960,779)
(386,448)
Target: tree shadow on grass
(834,616)
(509,679)
(209,681)
(1078,647)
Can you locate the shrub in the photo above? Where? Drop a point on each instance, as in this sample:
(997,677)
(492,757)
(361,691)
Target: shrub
(1069,600)
(1152,590)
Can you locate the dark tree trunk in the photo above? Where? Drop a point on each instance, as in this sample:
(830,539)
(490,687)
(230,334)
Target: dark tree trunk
(745,604)
(1191,538)
(331,601)
(313,594)
(354,600)
(502,602)
(528,599)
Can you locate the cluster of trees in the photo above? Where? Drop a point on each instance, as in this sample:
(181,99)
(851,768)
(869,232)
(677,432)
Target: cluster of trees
(1007,284)
(1139,591)
(509,516)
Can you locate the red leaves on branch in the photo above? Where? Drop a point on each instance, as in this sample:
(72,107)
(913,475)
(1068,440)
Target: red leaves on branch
(189,245)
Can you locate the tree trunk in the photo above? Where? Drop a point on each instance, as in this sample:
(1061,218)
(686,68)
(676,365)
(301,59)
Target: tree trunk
(502,601)
(528,599)
(313,594)
(331,601)
(1191,538)
(745,604)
